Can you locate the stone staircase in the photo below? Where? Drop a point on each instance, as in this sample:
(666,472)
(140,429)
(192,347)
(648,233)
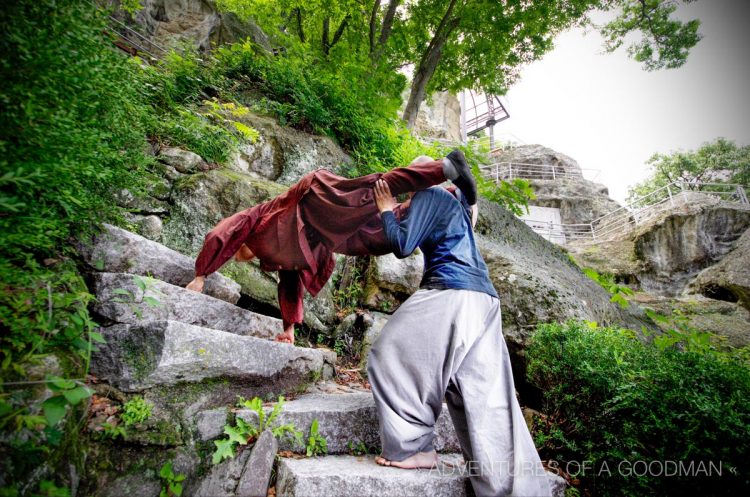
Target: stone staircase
(192,354)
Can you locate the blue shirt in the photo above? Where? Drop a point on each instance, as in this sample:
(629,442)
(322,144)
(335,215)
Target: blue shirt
(440,225)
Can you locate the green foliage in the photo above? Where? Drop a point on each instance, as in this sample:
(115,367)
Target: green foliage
(144,284)
(67,392)
(48,488)
(607,281)
(171,482)
(357,449)
(458,45)
(721,161)
(316,444)
(665,41)
(610,397)
(112,431)
(680,334)
(347,298)
(72,125)
(311,95)
(135,411)
(243,432)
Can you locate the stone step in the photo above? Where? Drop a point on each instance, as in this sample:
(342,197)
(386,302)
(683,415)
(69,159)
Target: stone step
(167,353)
(120,299)
(116,250)
(347,420)
(360,476)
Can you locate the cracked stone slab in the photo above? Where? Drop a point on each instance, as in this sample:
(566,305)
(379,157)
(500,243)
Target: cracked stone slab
(345,418)
(116,250)
(166,353)
(163,301)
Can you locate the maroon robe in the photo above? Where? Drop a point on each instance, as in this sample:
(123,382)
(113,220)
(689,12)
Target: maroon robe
(297,232)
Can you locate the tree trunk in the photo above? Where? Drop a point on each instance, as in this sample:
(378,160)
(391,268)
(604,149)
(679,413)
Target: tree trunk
(427,66)
(326,27)
(419,85)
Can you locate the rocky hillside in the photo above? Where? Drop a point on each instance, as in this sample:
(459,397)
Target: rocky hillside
(692,258)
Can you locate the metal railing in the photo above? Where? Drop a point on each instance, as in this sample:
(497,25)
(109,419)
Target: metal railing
(510,170)
(640,211)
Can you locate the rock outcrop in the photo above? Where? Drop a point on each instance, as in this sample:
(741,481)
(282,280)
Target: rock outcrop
(165,24)
(729,279)
(439,117)
(679,245)
(561,185)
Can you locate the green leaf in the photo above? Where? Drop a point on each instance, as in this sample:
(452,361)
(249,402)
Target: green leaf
(236,435)
(54,409)
(76,395)
(56,383)
(166,471)
(151,301)
(121,291)
(176,489)
(140,282)
(224,450)
(97,337)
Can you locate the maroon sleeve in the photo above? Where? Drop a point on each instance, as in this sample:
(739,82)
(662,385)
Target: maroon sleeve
(222,242)
(291,293)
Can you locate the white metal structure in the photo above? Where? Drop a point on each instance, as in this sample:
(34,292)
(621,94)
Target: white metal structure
(641,210)
(511,170)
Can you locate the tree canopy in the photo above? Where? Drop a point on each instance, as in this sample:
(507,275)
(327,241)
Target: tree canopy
(720,161)
(463,44)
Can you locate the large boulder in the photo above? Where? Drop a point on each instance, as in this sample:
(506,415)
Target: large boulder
(201,200)
(168,353)
(121,300)
(728,321)
(390,280)
(729,279)
(284,154)
(116,250)
(439,117)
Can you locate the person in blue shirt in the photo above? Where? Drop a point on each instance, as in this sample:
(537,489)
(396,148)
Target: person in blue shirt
(446,342)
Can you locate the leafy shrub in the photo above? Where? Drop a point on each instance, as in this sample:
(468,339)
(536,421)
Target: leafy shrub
(136,410)
(614,400)
(243,432)
(317,445)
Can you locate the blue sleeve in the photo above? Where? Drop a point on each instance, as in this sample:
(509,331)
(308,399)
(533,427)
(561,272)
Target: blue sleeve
(406,235)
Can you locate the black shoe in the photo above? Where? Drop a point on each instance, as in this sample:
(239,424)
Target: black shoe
(465,181)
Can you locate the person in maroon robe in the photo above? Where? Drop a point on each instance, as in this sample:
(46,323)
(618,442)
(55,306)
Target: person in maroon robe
(297,232)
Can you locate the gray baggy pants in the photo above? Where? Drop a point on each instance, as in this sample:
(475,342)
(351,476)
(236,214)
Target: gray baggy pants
(449,343)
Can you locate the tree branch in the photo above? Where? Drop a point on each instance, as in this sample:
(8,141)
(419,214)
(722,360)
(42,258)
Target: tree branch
(373,22)
(300,31)
(340,31)
(390,14)
(326,27)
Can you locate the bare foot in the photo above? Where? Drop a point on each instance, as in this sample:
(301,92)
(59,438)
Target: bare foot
(427,460)
(286,337)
